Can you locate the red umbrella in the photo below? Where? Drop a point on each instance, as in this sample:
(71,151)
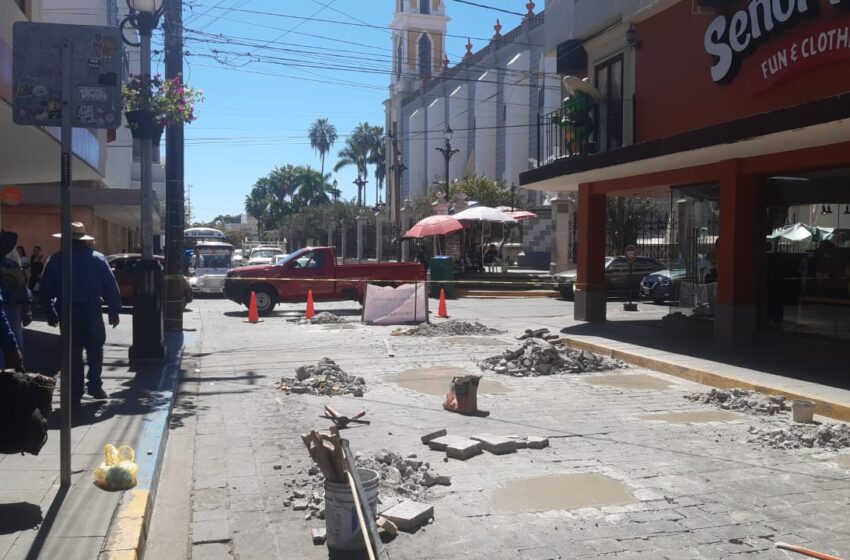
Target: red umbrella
(434,225)
(517,215)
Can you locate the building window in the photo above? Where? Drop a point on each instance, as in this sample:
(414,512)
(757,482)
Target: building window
(399,6)
(424,57)
(424,6)
(398,59)
(609,112)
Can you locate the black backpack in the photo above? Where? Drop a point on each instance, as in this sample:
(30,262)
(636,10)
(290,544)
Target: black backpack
(26,401)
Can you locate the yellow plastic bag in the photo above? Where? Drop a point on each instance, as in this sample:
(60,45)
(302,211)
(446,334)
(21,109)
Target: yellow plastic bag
(118,470)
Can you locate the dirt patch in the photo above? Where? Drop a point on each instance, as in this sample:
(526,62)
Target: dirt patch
(637,382)
(694,417)
(449,328)
(556,492)
(435,381)
(743,400)
(842,460)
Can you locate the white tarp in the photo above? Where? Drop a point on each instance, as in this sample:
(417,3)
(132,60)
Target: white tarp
(385,305)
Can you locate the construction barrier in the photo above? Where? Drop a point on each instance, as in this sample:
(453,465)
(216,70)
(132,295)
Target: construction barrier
(385,305)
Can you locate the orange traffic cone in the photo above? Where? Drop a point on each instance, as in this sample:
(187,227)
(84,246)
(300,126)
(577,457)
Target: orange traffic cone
(253,315)
(442,312)
(310,309)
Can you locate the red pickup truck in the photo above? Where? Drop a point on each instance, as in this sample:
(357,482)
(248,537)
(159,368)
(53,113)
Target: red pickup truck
(313,268)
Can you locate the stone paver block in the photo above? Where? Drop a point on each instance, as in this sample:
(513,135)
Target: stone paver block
(497,445)
(441,443)
(409,515)
(434,435)
(535,442)
(318,535)
(463,449)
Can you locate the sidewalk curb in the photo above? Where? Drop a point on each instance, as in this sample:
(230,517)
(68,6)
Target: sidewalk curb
(823,407)
(128,530)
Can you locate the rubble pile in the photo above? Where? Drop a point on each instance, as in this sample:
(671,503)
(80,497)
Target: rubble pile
(449,328)
(400,478)
(538,357)
(742,400)
(796,436)
(325,378)
(323,318)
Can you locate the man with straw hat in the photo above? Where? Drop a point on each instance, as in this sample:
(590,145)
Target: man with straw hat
(92,283)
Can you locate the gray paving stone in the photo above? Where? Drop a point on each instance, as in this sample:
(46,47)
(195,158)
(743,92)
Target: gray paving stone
(497,445)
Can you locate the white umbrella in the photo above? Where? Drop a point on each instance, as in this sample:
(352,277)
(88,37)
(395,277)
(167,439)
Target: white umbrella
(484,214)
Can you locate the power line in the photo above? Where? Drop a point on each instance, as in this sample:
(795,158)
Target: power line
(495,9)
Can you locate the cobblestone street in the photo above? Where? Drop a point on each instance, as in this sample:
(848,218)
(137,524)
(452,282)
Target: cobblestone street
(695,489)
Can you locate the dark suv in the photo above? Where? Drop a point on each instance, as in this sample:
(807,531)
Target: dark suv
(617,278)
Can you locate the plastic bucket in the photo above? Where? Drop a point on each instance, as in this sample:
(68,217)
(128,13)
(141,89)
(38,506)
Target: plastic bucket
(803,411)
(341,522)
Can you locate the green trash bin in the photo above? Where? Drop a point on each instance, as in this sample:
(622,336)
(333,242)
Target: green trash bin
(442,273)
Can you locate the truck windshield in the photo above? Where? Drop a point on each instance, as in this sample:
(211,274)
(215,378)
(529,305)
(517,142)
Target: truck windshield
(294,256)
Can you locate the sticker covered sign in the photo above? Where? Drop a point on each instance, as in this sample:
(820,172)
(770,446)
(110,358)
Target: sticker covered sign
(97,57)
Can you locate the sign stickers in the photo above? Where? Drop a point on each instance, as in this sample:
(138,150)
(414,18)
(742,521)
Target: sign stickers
(730,39)
(96,72)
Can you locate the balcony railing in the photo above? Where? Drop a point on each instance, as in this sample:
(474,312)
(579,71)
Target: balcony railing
(562,135)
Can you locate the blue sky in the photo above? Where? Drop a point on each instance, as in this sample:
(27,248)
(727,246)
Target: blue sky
(256,114)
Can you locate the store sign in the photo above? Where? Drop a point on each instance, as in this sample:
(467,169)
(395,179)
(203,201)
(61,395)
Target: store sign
(731,39)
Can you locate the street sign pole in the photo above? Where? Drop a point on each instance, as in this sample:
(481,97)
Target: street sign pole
(67,309)
(631,255)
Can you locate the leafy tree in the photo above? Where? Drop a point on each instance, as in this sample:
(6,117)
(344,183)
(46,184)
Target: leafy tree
(227,219)
(257,205)
(378,158)
(359,151)
(484,191)
(627,217)
(322,136)
(313,188)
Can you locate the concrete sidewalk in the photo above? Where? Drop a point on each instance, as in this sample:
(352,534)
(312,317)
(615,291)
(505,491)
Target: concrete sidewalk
(38,519)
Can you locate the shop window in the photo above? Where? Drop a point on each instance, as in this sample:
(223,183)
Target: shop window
(424,6)
(424,57)
(609,111)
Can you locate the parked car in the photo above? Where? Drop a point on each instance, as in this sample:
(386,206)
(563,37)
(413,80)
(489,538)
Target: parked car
(263,255)
(238,258)
(124,268)
(662,286)
(618,281)
(317,270)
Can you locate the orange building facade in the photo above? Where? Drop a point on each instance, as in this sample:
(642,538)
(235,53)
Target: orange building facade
(740,125)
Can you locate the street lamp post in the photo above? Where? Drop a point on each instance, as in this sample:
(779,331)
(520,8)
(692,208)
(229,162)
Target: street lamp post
(360,181)
(447,152)
(336,190)
(147,307)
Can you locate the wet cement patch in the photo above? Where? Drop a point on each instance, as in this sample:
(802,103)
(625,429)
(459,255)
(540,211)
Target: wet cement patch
(436,380)
(694,417)
(560,492)
(843,460)
(637,381)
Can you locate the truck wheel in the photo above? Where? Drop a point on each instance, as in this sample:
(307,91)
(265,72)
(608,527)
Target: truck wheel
(567,293)
(266,300)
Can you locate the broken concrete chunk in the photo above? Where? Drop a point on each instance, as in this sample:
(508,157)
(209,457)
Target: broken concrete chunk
(497,445)
(535,442)
(300,505)
(387,526)
(409,515)
(430,480)
(520,441)
(433,435)
(463,449)
(440,443)
(318,536)
(298,390)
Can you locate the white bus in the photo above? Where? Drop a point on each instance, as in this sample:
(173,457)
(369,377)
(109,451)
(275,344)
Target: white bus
(209,265)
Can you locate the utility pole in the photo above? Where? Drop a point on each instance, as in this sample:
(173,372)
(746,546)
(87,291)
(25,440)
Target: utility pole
(174,195)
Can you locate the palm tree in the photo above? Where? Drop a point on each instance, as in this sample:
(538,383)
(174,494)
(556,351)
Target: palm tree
(313,188)
(322,136)
(257,204)
(356,153)
(378,158)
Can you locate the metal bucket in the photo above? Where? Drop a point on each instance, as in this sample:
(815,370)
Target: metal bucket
(803,411)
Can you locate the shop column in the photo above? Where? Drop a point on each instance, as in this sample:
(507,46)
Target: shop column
(590,291)
(740,256)
(563,210)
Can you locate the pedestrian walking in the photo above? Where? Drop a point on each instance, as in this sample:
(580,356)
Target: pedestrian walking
(12,357)
(36,268)
(13,287)
(91,283)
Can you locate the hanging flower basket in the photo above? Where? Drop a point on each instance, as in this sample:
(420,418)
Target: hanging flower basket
(156,134)
(166,101)
(140,123)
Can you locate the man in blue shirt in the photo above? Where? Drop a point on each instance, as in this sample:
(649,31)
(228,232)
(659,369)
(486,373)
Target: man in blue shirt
(91,283)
